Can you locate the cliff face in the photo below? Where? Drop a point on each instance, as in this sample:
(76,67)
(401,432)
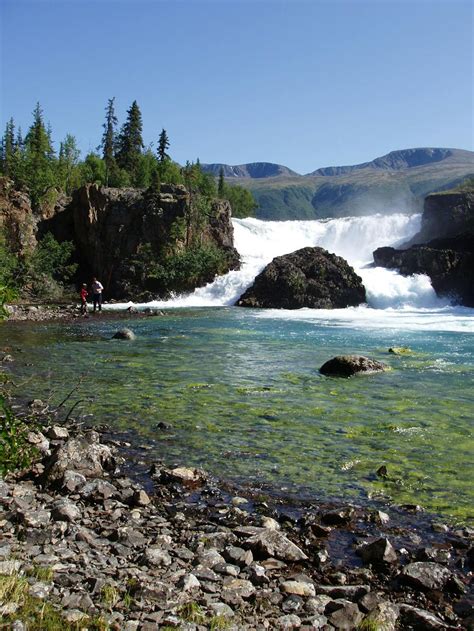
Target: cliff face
(445,215)
(443,249)
(17,220)
(110,227)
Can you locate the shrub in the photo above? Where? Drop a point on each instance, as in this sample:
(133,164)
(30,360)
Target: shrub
(15,450)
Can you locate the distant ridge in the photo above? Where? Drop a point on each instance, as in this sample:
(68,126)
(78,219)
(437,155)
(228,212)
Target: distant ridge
(395,182)
(395,160)
(254,170)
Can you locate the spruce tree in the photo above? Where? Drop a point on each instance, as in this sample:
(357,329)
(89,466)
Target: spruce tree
(7,148)
(130,143)
(68,159)
(221,183)
(39,157)
(163,145)
(109,139)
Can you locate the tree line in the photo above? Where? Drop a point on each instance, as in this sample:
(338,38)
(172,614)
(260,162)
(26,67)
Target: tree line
(121,160)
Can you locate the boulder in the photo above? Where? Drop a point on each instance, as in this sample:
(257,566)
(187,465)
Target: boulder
(310,277)
(86,457)
(124,334)
(426,575)
(415,618)
(348,365)
(378,552)
(272,543)
(343,614)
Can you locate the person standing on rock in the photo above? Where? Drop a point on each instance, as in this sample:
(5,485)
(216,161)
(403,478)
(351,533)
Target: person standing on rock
(84,299)
(97,290)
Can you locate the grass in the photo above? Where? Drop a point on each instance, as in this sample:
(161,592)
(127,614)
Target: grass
(36,614)
(41,573)
(110,596)
(191,612)
(219,623)
(369,624)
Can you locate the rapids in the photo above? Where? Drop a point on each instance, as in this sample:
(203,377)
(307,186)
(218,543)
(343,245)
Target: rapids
(394,301)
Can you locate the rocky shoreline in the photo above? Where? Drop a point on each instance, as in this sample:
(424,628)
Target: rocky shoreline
(142,547)
(71,312)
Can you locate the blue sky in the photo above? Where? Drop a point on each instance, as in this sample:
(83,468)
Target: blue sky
(304,83)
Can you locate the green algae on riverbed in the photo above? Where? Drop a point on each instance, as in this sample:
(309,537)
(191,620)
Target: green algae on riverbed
(244,399)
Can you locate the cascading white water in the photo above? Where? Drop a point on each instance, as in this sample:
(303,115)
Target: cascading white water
(353,238)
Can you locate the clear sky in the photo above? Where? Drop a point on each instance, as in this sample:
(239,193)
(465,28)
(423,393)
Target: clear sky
(304,83)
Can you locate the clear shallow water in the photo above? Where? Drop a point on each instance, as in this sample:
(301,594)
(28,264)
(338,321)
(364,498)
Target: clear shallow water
(243,394)
(242,391)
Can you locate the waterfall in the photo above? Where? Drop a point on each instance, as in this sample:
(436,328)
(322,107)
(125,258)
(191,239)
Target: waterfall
(353,238)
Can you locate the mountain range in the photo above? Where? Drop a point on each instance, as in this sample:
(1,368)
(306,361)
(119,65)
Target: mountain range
(396,182)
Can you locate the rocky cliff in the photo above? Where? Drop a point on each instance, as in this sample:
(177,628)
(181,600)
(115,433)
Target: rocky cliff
(113,228)
(443,249)
(123,236)
(310,277)
(445,215)
(17,220)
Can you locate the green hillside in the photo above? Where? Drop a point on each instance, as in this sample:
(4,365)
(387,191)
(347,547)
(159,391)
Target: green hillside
(397,182)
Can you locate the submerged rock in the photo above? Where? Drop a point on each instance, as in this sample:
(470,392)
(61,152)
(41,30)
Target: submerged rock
(124,334)
(400,350)
(348,365)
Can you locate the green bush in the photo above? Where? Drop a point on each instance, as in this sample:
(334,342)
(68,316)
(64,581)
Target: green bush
(15,450)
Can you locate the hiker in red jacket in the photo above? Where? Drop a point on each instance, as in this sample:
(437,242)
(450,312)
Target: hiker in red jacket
(84,299)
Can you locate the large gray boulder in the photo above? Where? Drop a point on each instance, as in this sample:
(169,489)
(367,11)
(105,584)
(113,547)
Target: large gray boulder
(310,277)
(87,457)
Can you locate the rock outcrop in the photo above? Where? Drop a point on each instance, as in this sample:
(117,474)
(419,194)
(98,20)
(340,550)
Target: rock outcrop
(443,249)
(445,215)
(448,262)
(110,227)
(310,277)
(17,220)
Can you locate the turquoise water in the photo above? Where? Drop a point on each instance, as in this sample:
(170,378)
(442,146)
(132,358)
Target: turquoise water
(242,392)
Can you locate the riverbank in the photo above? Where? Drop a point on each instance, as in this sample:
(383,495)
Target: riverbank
(110,541)
(40,312)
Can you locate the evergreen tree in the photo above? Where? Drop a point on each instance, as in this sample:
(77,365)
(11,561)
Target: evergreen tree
(7,148)
(221,183)
(130,143)
(241,199)
(18,159)
(19,143)
(39,157)
(68,160)
(108,139)
(163,145)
